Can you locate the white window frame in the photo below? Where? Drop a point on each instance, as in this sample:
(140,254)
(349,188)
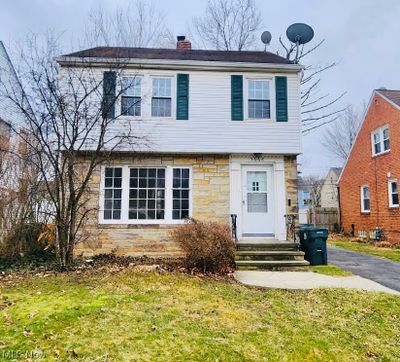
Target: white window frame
(173,95)
(142,103)
(271,99)
(390,193)
(363,210)
(380,131)
(125,196)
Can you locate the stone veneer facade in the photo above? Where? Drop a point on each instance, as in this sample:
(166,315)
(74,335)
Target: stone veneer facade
(291,184)
(210,196)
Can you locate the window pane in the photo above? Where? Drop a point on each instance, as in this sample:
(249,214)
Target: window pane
(377,148)
(258,89)
(131,86)
(180,193)
(146,202)
(131,106)
(395,199)
(366,205)
(385,133)
(112,193)
(161,87)
(386,145)
(259,109)
(161,107)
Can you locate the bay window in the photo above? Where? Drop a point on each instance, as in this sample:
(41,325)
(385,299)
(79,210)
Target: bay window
(135,195)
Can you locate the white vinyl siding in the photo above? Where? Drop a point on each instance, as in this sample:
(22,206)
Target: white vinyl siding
(380,140)
(209,128)
(365,199)
(145,195)
(393,193)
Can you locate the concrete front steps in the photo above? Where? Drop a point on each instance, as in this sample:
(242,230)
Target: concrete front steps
(267,255)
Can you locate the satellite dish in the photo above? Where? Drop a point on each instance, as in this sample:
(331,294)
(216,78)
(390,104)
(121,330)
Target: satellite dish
(266,37)
(300,33)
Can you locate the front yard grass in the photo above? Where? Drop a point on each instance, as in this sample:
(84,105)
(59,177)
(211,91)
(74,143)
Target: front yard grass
(330,270)
(130,315)
(348,244)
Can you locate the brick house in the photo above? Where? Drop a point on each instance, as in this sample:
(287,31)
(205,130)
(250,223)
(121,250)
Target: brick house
(224,132)
(369,181)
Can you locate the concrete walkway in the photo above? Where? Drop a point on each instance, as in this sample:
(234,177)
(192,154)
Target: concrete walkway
(380,270)
(306,280)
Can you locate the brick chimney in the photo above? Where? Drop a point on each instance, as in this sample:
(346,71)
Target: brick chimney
(183,43)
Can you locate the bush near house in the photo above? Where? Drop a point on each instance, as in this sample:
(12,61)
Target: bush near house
(207,245)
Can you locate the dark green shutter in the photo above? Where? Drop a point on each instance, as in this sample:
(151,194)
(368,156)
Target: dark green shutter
(237,98)
(182,96)
(109,84)
(281,99)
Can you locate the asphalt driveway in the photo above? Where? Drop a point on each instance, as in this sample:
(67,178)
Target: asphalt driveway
(380,270)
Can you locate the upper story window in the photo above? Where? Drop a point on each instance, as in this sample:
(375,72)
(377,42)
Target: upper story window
(380,140)
(393,194)
(259,104)
(365,199)
(161,97)
(131,100)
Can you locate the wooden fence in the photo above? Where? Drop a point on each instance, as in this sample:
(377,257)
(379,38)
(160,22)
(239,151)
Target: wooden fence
(324,217)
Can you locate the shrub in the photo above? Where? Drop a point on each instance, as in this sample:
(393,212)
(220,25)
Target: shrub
(207,245)
(26,241)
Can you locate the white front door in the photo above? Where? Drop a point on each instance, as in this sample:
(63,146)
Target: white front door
(257,201)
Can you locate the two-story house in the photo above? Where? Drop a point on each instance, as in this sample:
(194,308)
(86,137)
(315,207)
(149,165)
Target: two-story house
(222,135)
(368,184)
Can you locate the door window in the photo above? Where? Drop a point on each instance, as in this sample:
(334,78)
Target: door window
(257,191)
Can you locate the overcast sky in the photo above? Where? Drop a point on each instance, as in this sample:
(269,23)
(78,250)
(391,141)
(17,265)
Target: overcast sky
(361,35)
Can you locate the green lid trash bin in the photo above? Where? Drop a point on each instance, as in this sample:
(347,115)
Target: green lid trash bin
(313,243)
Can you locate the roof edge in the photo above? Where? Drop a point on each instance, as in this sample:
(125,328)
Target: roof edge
(79,61)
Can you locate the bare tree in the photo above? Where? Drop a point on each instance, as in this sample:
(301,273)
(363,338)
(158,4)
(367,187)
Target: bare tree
(314,185)
(317,109)
(139,24)
(227,25)
(71,134)
(234,25)
(340,136)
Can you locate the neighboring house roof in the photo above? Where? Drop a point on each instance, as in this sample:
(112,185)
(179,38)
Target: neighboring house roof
(391,94)
(179,54)
(336,170)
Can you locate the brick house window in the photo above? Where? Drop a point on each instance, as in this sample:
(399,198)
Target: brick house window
(365,199)
(393,193)
(145,195)
(380,139)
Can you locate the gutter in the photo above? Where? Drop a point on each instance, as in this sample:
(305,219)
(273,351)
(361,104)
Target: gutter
(175,64)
